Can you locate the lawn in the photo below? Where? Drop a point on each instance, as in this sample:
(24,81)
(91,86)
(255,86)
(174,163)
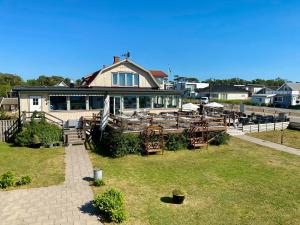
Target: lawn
(238,183)
(45,166)
(290,137)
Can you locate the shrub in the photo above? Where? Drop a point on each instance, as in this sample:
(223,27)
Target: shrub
(99,182)
(111,205)
(115,144)
(220,139)
(174,142)
(36,132)
(7,179)
(24,180)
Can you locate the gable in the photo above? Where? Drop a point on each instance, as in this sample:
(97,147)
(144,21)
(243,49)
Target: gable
(104,77)
(285,87)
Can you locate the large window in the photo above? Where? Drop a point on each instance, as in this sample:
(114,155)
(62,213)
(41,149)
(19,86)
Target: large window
(77,102)
(58,103)
(96,102)
(159,102)
(125,79)
(172,102)
(130,102)
(145,102)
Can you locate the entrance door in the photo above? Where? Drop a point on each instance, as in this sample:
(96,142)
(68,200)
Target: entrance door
(35,103)
(115,105)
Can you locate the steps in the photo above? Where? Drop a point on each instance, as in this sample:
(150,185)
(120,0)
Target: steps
(73,136)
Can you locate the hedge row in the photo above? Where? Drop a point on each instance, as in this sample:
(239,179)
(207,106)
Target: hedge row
(114,143)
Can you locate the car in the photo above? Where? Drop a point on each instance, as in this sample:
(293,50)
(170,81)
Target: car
(204,100)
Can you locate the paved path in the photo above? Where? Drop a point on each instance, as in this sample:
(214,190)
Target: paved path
(65,204)
(269,144)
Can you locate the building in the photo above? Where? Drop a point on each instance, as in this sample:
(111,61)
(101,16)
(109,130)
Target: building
(263,97)
(188,88)
(9,104)
(224,92)
(287,95)
(130,88)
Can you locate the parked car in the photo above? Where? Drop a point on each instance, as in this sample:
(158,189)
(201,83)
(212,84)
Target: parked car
(204,100)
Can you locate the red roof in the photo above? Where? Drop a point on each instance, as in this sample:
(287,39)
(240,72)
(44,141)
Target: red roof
(158,73)
(88,79)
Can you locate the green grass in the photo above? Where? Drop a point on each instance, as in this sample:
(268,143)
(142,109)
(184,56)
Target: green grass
(45,166)
(290,137)
(238,183)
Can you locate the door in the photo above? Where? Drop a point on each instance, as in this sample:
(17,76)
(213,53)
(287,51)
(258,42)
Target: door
(115,105)
(35,103)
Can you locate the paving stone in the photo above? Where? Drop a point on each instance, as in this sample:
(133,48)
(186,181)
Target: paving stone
(62,204)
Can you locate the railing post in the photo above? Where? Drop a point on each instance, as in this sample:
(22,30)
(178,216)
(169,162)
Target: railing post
(258,126)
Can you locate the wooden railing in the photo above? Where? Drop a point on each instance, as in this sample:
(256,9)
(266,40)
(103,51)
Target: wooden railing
(27,116)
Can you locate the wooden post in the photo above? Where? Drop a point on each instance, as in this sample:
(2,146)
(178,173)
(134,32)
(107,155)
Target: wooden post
(258,126)
(177,121)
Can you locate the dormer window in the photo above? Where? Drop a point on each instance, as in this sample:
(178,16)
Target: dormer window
(125,79)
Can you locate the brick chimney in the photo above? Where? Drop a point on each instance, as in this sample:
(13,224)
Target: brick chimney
(116,59)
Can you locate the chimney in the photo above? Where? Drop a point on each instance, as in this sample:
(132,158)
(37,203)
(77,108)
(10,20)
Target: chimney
(116,59)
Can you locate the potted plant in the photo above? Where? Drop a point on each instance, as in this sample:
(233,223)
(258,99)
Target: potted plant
(178,196)
(35,141)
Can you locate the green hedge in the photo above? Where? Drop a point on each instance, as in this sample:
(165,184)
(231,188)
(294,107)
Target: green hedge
(38,132)
(115,143)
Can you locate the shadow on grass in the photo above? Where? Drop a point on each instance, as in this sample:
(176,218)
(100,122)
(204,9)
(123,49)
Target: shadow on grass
(89,209)
(167,199)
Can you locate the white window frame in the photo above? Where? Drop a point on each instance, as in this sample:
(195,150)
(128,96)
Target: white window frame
(126,84)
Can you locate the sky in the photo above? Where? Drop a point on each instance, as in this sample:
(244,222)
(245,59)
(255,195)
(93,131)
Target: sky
(202,38)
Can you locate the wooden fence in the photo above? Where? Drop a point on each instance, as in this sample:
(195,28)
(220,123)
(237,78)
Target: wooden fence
(7,129)
(264,127)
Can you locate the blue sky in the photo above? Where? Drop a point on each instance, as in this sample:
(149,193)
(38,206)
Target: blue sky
(207,39)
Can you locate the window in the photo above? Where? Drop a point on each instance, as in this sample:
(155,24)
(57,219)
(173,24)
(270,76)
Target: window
(35,101)
(278,99)
(130,102)
(96,102)
(145,102)
(159,102)
(136,80)
(77,102)
(172,103)
(125,79)
(122,80)
(129,79)
(115,79)
(58,103)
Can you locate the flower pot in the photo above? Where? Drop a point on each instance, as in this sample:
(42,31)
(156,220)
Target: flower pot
(178,199)
(98,174)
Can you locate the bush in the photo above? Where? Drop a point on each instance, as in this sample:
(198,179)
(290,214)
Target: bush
(7,179)
(24,180)
(111,205)
(115,144)
(220,139)
(36,132)
(174,142)
(99,182)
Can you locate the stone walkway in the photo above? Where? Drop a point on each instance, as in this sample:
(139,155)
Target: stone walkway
(65,204)
(269,144)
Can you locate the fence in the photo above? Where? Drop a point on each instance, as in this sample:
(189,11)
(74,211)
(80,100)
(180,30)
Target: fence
(7,129)
(264,127)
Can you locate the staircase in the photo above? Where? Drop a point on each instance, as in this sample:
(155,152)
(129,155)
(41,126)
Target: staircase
(73,136)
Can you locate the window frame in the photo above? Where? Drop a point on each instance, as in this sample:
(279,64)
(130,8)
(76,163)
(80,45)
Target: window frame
(135,80)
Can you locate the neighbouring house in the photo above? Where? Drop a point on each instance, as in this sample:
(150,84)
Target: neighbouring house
(224,92)
(130,88)
(188,88)
(252,88)
(287,95)
(9,104)
(264,97)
